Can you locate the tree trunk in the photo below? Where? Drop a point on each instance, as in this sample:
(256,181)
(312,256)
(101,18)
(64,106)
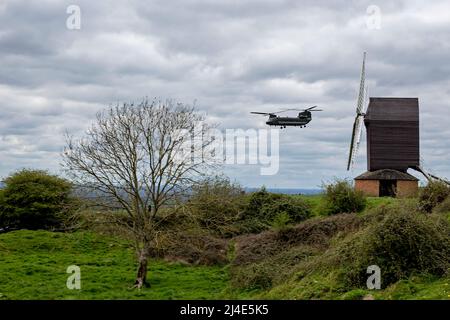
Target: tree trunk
(141,278)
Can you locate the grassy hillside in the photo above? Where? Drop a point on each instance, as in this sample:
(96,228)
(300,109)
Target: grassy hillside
(33,265)
(301,261)
(317,259)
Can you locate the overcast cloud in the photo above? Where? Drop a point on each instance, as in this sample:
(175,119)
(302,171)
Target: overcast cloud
(231,57)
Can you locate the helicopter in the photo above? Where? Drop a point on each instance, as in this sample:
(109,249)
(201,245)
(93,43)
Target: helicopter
(303,118)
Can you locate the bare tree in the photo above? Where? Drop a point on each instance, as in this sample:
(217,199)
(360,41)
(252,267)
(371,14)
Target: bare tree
(143,157)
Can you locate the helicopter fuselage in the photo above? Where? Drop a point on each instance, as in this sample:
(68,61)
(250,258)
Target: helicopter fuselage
(301,120)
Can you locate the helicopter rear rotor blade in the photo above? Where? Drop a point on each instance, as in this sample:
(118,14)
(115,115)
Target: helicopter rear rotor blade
(285,110)
(313,108)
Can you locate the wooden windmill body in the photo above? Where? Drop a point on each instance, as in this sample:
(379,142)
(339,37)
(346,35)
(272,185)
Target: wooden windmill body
(392,131)
(392,126)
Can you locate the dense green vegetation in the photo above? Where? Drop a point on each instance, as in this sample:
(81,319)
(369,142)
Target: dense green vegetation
(225,210)
(263,246)
(34,199)
(341,197)
(432,195)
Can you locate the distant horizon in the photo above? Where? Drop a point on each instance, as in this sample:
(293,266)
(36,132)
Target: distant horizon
(287,190)
(283,190)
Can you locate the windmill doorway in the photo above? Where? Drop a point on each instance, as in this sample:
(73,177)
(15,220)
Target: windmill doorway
(388,188)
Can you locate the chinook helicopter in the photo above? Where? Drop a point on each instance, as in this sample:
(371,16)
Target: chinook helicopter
(304,117)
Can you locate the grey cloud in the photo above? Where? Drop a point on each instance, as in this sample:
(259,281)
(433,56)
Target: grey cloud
(232,57)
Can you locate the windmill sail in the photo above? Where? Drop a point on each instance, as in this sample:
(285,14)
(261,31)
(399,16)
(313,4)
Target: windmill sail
(429,176)
(357,124)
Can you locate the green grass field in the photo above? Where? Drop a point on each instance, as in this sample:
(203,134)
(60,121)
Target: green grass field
(33,265)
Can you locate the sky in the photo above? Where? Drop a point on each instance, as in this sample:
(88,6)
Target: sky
(229,58)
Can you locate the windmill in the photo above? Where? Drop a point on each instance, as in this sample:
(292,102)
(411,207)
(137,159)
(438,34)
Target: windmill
(392,133)
(393,144)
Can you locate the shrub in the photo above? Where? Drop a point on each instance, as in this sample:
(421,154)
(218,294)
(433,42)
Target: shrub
(316,233)
(217,204)
(224,209)
(34,199)
(257,200)
(341,197)
(252,276)
(320,231)
(193,247)
(443,207)
(296,209)
(271,271)
(281,221)
(404,243)
(267,207)
(256,247)
(357,294)
(434,193)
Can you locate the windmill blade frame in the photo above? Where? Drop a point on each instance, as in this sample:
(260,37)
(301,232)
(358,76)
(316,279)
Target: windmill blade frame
(357,124)
(361,95)
(356,139)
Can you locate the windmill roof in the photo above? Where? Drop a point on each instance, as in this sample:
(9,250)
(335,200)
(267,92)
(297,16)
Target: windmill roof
(386,174)
(395,109)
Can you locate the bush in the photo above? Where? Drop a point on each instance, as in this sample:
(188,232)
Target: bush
(319,232)
(217,204)
(193,247)
(224,209)
(257,200)
(404,243)
(341,197)
(271,271)
(443,207)
(267,207)
(316,233)
(296,209)
(281,221)
(253,276)
(434,193)
(34,199)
